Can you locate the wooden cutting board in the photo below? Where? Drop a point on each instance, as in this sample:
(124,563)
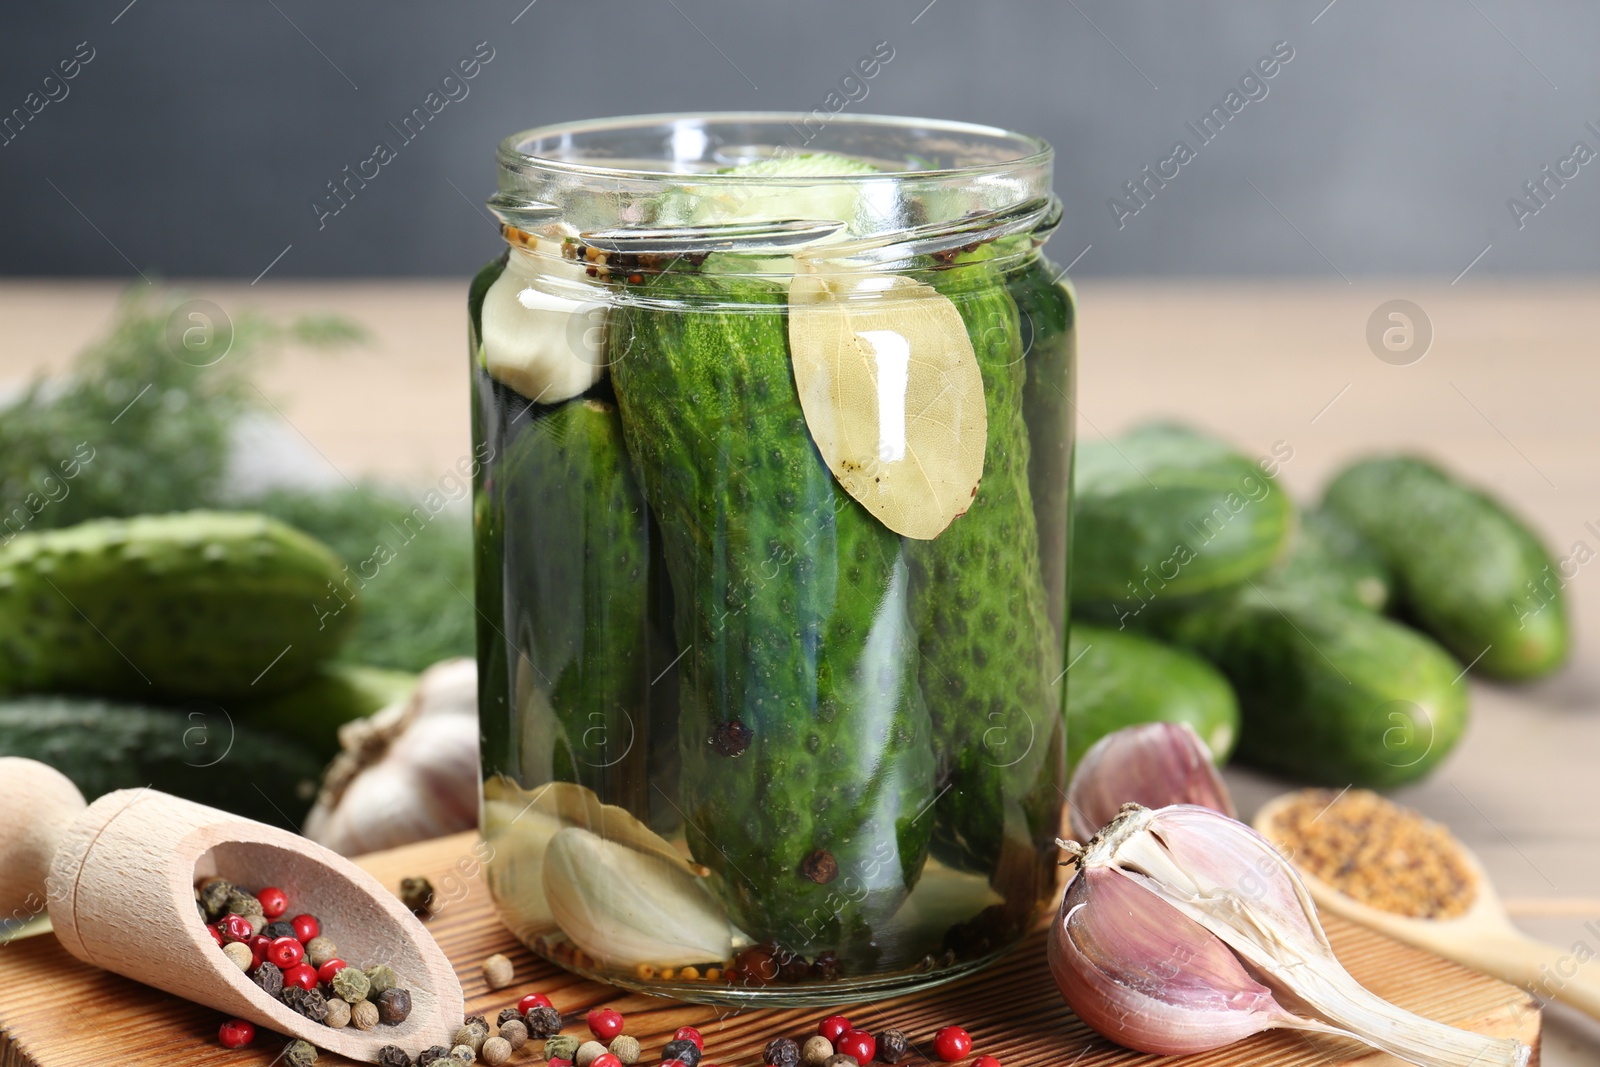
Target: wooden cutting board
(58,1012)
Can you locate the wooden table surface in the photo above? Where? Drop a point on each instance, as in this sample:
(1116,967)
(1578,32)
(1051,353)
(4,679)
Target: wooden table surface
(1506,394)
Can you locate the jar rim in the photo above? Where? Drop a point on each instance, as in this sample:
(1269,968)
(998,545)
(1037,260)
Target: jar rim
(515,152)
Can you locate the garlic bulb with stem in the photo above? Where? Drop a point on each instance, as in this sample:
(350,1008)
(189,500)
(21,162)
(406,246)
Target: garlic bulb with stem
(407,773)
(1154,984)
(1153,764)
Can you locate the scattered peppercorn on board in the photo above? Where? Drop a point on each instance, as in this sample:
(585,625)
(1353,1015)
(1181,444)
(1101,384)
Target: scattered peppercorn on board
(58,1012)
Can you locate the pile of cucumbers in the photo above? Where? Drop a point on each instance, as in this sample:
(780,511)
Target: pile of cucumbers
(1332,645)
(181,651)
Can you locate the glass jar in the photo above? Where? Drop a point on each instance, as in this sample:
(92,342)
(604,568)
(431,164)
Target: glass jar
(775,422)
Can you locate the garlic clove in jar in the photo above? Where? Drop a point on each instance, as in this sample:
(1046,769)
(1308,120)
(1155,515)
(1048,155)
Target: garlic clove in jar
(1153,764)
(537,337)
(626,908)
(1229,882)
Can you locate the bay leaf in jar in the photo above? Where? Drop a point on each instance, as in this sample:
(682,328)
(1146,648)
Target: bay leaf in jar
(892,395)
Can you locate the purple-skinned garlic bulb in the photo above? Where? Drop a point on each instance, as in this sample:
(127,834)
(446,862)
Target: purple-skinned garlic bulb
(1153,764)
(1183,930)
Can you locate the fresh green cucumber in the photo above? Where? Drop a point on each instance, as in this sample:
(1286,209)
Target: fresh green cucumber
(201,603)
(1047,317)
(1331,558)
(1330,694)
(312,712)
(1166,511)
(1466,569)
(991,657)
(196,751)
(806,750)
(576,575)
(1120,678)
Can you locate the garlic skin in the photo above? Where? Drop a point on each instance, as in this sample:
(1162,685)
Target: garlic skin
(531,340)
(1229,882)
(1153,764)
(408,773)
(626,908)
(1139,972)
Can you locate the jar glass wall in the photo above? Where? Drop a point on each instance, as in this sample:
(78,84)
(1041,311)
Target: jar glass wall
(771,540)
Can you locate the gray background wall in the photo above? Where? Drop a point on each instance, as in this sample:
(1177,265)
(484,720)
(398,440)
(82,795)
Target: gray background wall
(198,136)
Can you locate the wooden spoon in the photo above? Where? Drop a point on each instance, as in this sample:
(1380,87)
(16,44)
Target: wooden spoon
(120,893)
(1482,938)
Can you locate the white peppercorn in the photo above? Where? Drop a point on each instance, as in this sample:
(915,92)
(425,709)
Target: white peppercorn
(587,1052)
(364,1016)
(515,1031)
(338,1013)
(239,953)
(498,971)
(496,1050)
(625,1048)
(464,1053)
(816,1051)
(320,950)
(471,1036)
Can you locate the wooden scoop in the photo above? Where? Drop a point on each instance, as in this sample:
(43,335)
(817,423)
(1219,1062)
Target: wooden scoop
(120,892)
(1481,938)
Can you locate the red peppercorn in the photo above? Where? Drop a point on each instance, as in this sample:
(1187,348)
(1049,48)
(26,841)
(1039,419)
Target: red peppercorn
(858,1043)
(531,1001)
(258,949)
(834,1027)
(235,928)
(604,1023)
(236,1033)
(285,952)
(332,967)
(305,927)
(605,1059)
(557,1061)
(952,1043)
(985,1061)
(215,933)
(301,974)
(274,901)
(689,1033)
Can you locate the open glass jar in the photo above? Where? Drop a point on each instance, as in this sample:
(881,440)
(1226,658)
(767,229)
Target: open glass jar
(776,428)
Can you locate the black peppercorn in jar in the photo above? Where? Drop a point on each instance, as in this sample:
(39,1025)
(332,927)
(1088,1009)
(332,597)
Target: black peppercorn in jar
(772,443)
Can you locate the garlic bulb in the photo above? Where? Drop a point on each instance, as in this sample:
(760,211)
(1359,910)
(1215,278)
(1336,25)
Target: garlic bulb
(1184,930)
(546,346)
(625,907)
(1153,764)
(407,773)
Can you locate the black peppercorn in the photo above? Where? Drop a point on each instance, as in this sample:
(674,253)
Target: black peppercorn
(269,976)
(892,1046)
(432,1054)
(476,1020)
(393,1056)
(825,967)
(506,1015)
(276,929)
(542,1021)
(308,1002)
(395,1004)
(417,894)
(731,738)
(783,1052)
(686,1052)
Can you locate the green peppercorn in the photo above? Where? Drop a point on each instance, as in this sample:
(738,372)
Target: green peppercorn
(417,894)
(431,1055)
(350,984)
(393,1056)
(269,976)
(560,1047)
(379,978)
(300,1054)
(308,1002)
(242,903)
(394,1005)
(214,897)
(625,1048)
(338,1014)
(364,1016)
